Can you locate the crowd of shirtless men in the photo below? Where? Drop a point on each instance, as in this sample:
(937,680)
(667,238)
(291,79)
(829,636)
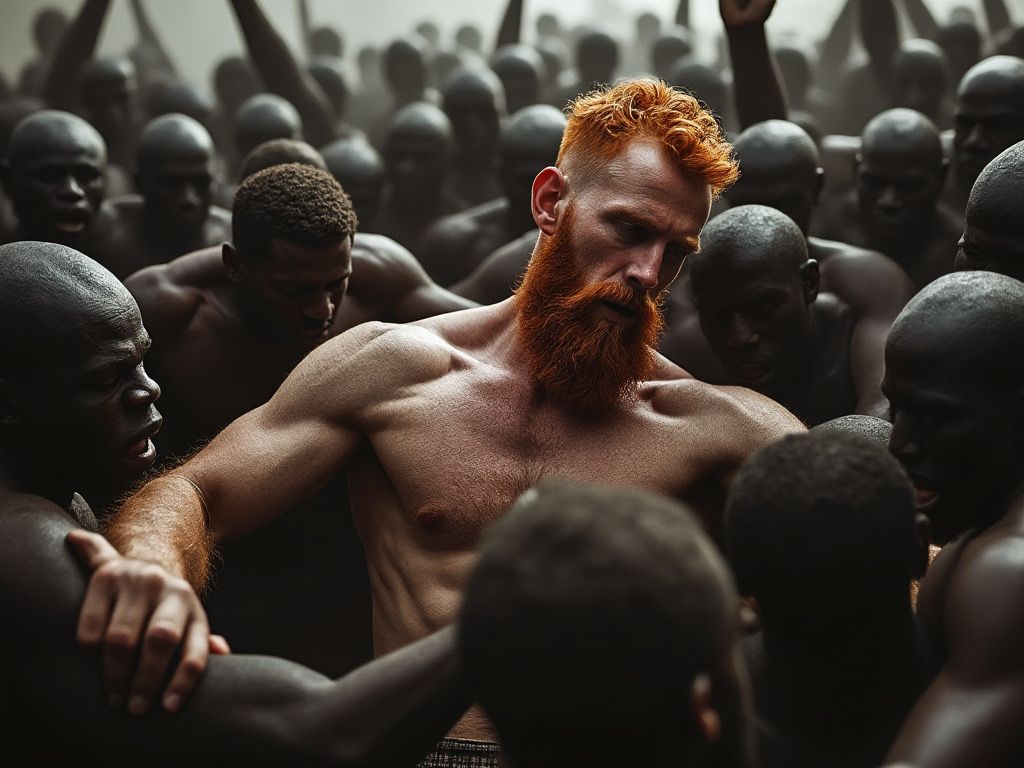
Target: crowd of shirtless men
(652,400)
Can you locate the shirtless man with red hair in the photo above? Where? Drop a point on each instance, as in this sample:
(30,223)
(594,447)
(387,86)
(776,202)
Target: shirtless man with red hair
(442,423)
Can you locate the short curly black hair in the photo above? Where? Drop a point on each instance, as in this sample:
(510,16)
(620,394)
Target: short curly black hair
(293,202)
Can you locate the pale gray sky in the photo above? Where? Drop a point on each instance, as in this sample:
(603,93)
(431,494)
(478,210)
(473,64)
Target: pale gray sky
(199,32)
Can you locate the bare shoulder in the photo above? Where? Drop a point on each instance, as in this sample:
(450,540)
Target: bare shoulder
(169,294)
(867,280)
(378,258)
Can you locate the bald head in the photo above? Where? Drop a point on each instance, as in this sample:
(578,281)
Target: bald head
(529,143)
(521,70)
(902,133)
(279,152)
(421,124)
(474,101)
(173,138)
(359,169)
(705,83)
(181,97)
(263,117)
(870,428)
(405,68)
(54,175)
(779,167)
(597,55)
(920,75)
(670,48)
(329,73)
(747,240)
(994,233)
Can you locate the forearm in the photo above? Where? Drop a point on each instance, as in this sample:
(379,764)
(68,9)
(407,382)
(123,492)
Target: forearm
(151,48)
(510,31)
(758,89)
(281,72)
(835,50)
(997,14)
(60,87)
(922,19)
(683,13)
(880,34)
(165,522)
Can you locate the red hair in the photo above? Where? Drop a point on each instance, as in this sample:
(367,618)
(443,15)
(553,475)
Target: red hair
(602,122)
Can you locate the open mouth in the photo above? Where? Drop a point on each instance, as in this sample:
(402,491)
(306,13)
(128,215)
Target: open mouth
(925,498)
(143,448)
(624,311)
(71,221)
(315,333)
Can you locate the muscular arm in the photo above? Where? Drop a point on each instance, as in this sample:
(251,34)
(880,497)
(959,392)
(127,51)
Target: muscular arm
(60,88)
(389,280)
(998,16)
(510,31)
(970,715)
(921,17)
(758,88)
(881,36)
(150,56)
(835,49)
(248,710)
(281,72)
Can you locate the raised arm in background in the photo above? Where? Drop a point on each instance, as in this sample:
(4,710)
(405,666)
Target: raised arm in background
(997,15)
(683,13)
(510,31)
(60,87)
(759,93)
(880,34)
(922,19)
(151,58)
(835,49)
(282,73)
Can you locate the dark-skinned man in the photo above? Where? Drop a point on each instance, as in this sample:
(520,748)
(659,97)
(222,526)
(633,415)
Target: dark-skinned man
(72,355)
(822,532)
(993,236)
(455,246)
(360,170)
(757,298)
(474,101)
(54,177)
(503,375)
(228,326)
(896,208)
(417,149)
(989,117)
(954,380)
(173,214)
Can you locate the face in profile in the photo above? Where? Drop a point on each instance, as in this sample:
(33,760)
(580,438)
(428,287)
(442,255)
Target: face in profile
(92,409)
(295,294)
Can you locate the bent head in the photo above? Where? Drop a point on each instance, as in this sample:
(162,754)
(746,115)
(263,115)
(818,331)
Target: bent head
(779,167)
(78,407)
(54,175)
(636,172)
(578,579)
(753,286)
(994,231)
(291,256)
(175,172)
(989,115)
(521,70)
(821,529)
(900,174)
(280,152)
(955,384)
(474,101)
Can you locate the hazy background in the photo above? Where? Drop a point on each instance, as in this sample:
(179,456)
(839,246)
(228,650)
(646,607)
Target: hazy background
(200,32)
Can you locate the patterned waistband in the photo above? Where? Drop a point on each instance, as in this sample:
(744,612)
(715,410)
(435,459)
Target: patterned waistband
(462,753)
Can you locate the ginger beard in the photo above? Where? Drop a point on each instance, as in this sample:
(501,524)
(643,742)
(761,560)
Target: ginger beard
(585,360)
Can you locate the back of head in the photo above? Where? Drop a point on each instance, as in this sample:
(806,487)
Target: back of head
(280,152)
(586,621)
(295,203)
(235,80)
(420,123)
(534,131)
(405,67)
(902,132)
(472,88)
(181,97)
(749,240)
(597,55)
(994,210)
(602,123)
(263,117)
(326,41)
(522,70)
(469,37)
(821,529)
(870,428)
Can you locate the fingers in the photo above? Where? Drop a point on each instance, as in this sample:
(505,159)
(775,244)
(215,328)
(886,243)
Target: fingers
(130,616)
(91,549)
(219,645)
(167,626)
(192,665)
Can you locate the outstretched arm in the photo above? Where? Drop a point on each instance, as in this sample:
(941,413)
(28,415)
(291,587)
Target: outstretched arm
(282,73)
(683,13)
(248,710)
(970,714)
(998,16)
(756,82)
(835,49)
(60,88)
(510,31)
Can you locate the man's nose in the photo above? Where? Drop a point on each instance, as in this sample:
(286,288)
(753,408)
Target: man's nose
(903,444)
(644,269)
(889,200)
(975,138)
(70,191)
(319,307)
(741,333)
(143,392)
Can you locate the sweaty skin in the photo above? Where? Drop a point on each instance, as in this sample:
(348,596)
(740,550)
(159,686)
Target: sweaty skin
(441,424)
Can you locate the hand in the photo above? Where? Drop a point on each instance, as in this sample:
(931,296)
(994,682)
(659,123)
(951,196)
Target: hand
(744,13)
(130,605)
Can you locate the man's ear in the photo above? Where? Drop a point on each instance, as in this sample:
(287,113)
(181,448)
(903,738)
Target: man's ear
(232,262)
(705,714)
(10,404)
(819,183)
(549,188)
(809,278)
(923,527)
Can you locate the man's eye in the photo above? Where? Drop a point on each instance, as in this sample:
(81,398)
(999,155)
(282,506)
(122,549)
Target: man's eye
(632,233)
(290,289)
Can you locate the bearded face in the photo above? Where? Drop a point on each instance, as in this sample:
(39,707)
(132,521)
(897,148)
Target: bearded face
(588,344)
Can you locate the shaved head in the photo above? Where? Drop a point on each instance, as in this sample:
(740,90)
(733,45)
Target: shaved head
(902,133)
(263,117)
(752,237)
(994,233)
(173,137)
(279,152)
